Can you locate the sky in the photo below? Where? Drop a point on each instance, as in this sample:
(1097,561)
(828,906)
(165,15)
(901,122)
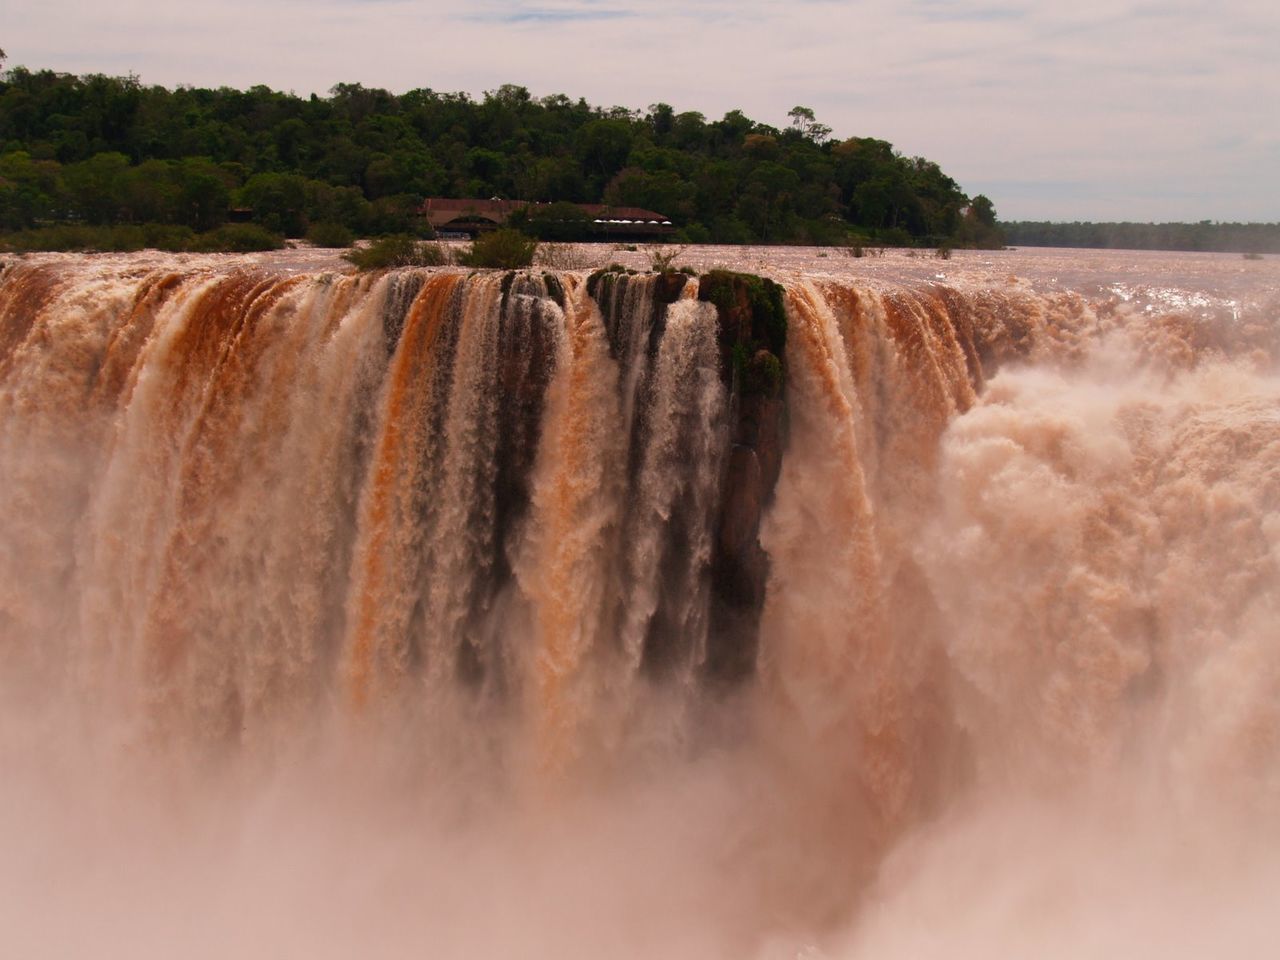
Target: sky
(1080,110)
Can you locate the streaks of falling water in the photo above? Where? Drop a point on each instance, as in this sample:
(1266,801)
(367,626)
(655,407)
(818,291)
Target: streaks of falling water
(252,486)
(397,494)
(576,493)
(239,501)
(218,540)
(667,539)
(52,331)
(827,588)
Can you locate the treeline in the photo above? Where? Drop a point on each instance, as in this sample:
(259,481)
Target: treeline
(106,151)
(1204,236)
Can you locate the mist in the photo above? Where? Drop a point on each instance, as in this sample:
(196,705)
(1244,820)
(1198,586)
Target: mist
(372,614)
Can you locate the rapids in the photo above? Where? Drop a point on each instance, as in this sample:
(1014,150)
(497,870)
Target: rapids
(554,615)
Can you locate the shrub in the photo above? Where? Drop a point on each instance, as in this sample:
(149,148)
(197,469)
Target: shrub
(895,237)
(168,236)
(237,238)
(503,249)
(397,250)
(329,234)
(694,233)
(122,237)
(61,237)
(662,258)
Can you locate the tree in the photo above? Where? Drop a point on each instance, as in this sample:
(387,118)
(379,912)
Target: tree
(204,193)
(29,189)
(978,227)
(805,123)
(96,186)
(664,192)
(560,222)
(603,145)
(662,120)
(767,200)
(364,157)
(279,202)
(149,194)
(983,210)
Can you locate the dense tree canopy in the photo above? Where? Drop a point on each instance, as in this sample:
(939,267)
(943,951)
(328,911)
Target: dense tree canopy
(110,150)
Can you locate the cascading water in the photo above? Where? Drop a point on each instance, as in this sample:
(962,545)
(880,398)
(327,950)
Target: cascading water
(563,616)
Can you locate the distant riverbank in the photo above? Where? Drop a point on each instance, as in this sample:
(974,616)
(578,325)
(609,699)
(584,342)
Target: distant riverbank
(1203,237)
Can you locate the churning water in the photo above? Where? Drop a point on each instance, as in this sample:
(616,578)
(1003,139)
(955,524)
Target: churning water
(477,615)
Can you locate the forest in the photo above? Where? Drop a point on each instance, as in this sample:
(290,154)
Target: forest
(1205,236)
(83,158)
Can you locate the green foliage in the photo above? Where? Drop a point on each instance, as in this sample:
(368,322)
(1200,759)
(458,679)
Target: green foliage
(501,249)
(732,292)
(232,237)
(95,186)
(762,374)
(326,233)
(397,250)
(237,238)
(561,222)
(203,193)
(110,151)
(663,189)
(661,259)
(753,326)
(602,146)
(168,236)
(694,233)
(278,202)
(805,124)
(66,237)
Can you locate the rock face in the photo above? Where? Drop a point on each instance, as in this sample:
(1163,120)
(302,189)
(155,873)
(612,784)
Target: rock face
(752,343)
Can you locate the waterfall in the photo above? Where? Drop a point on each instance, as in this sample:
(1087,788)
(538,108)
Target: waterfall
(816,566)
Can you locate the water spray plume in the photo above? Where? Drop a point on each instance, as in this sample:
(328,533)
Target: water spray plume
(490,614)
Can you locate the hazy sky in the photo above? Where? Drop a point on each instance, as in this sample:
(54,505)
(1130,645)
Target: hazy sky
(1088,109)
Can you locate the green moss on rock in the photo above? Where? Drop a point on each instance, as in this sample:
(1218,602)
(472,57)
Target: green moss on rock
(755,304)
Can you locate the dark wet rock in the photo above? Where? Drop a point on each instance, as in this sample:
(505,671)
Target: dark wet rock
(668,286)
(752,337)
(742,501)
